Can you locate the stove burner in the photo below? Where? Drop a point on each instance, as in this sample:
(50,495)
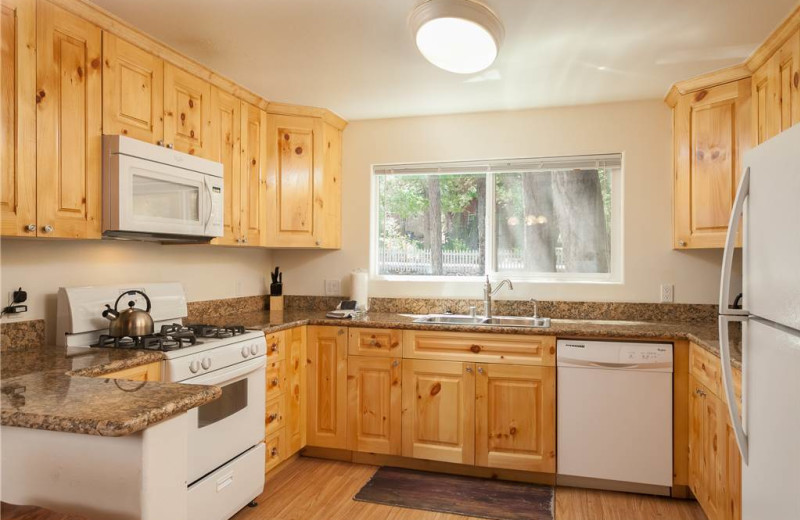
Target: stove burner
(211,331)
(164,340)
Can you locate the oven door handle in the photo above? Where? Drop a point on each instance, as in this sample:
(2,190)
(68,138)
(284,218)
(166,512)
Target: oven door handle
(228,374)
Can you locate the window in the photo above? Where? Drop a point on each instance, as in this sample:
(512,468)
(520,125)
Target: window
(544,219)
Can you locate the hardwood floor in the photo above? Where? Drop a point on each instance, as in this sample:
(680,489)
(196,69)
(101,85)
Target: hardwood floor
(316,489)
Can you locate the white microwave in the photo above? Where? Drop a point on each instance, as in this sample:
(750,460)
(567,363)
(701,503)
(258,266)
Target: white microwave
(156,193)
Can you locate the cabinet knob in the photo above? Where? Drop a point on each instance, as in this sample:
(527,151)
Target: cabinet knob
(274,347)
(275,382)
(160,142)
(273,452)
(682,243)
(273,417)
(480,370)
(469,370)
(244,240)
(317,242)
(395,363)
(30,228)
(170,146)
(48,228)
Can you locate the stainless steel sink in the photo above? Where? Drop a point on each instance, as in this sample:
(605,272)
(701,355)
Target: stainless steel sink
(498,321)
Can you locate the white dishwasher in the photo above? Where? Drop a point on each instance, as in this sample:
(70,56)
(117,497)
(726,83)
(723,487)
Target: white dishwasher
(614,411)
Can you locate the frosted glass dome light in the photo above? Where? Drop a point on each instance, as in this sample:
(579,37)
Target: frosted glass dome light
(461,36)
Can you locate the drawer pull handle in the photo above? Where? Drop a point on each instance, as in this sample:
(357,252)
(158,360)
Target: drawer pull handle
(395,363)
(469,370)
(274,347)
(375,343)
(475,348)
(273,452)
(480,370)
(275,382)
(272,417)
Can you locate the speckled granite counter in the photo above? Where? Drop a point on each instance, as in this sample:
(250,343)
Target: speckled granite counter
(703,333)
(58,389)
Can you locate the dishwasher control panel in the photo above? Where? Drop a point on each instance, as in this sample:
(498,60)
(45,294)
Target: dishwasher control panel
(614,354)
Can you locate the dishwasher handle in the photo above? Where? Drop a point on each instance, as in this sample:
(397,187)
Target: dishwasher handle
(583,363)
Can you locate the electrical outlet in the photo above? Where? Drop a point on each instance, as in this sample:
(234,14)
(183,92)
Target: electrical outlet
(333,288)
(667,293)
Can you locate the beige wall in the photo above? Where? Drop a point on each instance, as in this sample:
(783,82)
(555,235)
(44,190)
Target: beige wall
(640,130)
(206,272)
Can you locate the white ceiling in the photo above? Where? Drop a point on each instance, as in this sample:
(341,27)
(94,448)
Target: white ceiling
(357,57)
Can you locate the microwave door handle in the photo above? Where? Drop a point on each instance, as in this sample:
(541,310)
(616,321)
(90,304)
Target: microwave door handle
(210,204)
(730,243)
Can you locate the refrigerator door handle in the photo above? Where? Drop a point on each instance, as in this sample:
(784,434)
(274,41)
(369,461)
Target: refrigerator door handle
(730,243)
(727,382)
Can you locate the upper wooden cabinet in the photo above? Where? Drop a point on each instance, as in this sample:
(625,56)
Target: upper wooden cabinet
(252,189)
(68,124)
(133,91)
(711,132)
(225,147)
(18,118)
(776,91)
(303,182)
(187,112)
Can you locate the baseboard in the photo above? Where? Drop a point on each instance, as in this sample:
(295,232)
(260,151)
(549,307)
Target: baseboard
(612,485)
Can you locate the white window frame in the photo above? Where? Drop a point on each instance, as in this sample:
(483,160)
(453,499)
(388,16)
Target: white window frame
(616,270)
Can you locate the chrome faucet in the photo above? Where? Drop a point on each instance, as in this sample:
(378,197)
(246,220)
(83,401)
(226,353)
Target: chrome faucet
(488,292)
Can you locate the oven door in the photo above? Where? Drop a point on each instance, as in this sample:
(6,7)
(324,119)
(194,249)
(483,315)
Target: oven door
(159,198)
(222,429)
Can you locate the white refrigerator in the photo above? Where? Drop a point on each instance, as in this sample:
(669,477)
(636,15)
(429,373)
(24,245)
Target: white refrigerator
(768,431)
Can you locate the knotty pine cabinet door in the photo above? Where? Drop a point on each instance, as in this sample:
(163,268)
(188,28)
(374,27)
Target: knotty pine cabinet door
(133,91)
(252,194)
(711,132)
(187,112)
(69,121)
(18,118)
(374,404)
(296,389)
(225,147)
(294,175)
(707,434)
(439,410)
(776,91)
(515,416)
(327,387)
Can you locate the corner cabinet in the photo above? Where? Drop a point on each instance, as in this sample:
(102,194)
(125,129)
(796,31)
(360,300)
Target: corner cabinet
(711,131)
(776,91)
(303,185)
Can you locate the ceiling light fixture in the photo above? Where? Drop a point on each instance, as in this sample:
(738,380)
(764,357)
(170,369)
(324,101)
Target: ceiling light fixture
(461,36)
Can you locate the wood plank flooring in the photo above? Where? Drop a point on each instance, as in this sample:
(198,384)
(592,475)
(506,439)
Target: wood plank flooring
(316,489)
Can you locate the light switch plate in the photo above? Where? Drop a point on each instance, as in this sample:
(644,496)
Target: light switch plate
(333,288)
(667,293)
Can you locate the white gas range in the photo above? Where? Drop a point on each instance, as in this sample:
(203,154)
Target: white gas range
(225,447)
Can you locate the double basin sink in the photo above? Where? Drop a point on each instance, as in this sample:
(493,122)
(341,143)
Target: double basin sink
(495,321)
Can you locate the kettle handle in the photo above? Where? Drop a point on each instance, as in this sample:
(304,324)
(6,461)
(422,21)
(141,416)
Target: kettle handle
(131,293)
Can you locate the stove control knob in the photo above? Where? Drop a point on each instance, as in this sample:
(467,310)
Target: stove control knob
(206,363)
(245,352)
(194,366)
(254,349)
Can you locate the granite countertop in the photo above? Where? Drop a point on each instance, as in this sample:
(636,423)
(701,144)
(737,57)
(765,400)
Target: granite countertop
(704,333)
(61,389)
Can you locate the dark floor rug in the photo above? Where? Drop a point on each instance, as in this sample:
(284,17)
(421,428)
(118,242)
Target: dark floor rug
(482,498)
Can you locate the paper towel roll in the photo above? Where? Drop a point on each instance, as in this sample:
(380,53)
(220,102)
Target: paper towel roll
(359,286)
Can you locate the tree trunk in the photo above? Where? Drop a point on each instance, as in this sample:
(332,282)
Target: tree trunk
(435,224)
(480,220)
(578,205)
(540,229)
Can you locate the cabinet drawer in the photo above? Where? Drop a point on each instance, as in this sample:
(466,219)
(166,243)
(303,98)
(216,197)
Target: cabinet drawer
(275,413)
(518,349)
(276,447)
(276,378)
(275,347)
(707,369)
(375,342)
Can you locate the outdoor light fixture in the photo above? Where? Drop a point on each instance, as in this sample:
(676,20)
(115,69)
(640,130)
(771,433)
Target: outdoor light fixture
(461,36)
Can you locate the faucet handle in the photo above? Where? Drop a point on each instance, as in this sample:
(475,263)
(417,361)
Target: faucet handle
(535,303)
(472,311)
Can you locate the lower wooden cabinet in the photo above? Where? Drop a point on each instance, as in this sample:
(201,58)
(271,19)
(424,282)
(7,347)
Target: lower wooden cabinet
(515,417)
(439,410)
(714,461)
(294,343)
(373,408)
(149,372)
(327,387)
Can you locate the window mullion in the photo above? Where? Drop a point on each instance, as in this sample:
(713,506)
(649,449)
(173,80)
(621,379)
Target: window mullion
(489,256)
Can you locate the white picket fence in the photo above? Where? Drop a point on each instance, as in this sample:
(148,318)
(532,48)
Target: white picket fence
(454,263)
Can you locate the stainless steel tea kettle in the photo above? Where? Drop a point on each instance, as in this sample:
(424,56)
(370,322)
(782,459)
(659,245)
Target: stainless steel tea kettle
(130,322)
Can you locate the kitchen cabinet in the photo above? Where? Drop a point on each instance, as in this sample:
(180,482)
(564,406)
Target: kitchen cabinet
(518,349)
(68,125)
(187,112)
(149,372)
(327,387)
(252,194)
(303,186)
(711,132)
(439,410)
(375,342)
(225,147)
(374,404)
(133,91)
(515,417)
(296,392)
(18,118)
(776,92)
